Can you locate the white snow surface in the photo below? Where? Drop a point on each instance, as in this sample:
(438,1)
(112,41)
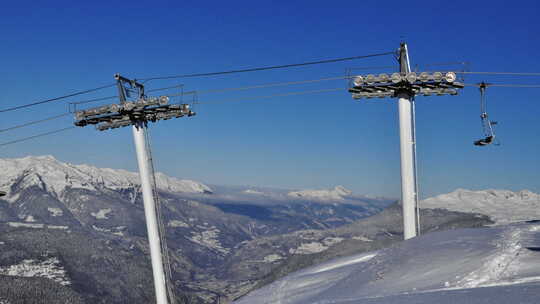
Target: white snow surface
(177,223)
(502,206)
(482,265)
(251,191)
(55,211)
(272,258)
(315,247)
(101,214)
(337,194)
(55,176)
(209,238)
(49,268)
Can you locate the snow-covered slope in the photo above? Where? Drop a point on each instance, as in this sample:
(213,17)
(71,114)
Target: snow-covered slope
(56,176)
(434,268)
(336,194)
(502,206)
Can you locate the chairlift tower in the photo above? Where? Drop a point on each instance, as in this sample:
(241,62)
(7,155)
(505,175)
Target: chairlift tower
(405,85)
(137,114)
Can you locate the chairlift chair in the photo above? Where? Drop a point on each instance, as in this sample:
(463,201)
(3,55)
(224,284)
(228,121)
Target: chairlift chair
(487,125)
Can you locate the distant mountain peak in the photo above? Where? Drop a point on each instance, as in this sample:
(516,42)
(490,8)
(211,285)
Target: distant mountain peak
(48,172)
(337,194)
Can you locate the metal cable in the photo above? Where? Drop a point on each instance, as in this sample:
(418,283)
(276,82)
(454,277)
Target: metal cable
(165,88)
(444,63)
(373,68)
(244,99)
(266,68)
(34,122)
(93,100)
(276,95)
(275,84)
(56,98)
(113,97)
(183,93)
(500,73)
(504,85)
(35,136)
(260,86)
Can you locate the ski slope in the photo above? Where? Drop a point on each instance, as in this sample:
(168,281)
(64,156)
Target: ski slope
(488,265)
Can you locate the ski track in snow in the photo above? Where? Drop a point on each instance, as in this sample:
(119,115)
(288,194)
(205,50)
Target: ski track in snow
(345,263)
(497,264)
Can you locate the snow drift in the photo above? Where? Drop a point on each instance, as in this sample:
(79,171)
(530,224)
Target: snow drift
(434,268)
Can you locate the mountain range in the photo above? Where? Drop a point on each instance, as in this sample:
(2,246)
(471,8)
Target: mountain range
(90,222)
(79,232)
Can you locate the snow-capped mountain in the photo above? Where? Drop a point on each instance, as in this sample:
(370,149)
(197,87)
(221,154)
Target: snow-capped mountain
(56,176)
(485,265)
(337,194)
(95,217)
(227,238)
(503,206)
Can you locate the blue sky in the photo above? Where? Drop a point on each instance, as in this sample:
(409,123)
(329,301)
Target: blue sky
(308,141)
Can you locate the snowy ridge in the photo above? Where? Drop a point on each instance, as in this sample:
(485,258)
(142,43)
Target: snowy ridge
(337,194)
(503,206)
(434,268)
(54,176)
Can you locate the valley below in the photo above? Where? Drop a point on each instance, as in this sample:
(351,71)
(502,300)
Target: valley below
(77,233)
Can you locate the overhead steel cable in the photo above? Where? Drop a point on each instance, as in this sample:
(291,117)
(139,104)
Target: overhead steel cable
(35,136)
(274,84)
(113,97)
(444,63)
(504,85)
(56,98)
(266,67)
(275,95)
(165,88)
(259,86)
(500,73)
(372,68)
(93,100)
(34,122)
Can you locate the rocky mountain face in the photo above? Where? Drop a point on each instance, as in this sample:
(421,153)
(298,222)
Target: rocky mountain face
(82,229)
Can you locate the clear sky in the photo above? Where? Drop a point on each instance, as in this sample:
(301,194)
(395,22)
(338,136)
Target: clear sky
(310,141)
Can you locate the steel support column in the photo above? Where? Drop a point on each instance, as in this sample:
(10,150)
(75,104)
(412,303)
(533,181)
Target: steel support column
(139,130)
